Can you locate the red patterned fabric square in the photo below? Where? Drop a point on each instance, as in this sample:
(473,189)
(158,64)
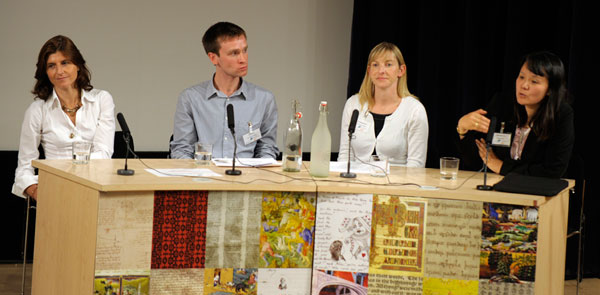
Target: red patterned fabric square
(179,229)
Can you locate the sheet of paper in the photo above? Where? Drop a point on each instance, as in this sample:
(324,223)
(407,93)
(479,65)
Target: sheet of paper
(453,239)
(233,229)
(184,281)
(399,234)
(284,281)
(122,282)
(287,230)
(508,243)
(124,238)
(339,282)
(199,172)
(387,284)
(487,287)
(451,286)
(179,229)
(247,162)
(343,232)
(356,167)
(222,281)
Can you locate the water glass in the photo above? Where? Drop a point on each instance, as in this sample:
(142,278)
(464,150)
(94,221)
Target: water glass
(81,152)
(203,155)
(449,167)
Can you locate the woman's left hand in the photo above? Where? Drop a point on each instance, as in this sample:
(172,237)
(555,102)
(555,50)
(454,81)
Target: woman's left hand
(493,162)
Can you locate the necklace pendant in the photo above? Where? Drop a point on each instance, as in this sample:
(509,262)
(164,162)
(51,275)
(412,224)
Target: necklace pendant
(71,111)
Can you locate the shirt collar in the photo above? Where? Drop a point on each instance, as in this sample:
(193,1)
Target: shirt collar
(85,97)
(212,91)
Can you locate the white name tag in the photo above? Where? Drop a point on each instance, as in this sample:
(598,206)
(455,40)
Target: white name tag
(501,139)
(252,136)
(361,126)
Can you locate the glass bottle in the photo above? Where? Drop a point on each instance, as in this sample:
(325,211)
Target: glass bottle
(320,148)
(292,151)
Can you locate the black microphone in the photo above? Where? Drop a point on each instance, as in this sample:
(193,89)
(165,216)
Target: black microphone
(126,136)
(231,125)
(351,129)
(353,120)
(230,118)
(488,145)
(123,124)
(491,131)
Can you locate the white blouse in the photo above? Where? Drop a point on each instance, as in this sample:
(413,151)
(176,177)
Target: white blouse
(403,138)
(46,123)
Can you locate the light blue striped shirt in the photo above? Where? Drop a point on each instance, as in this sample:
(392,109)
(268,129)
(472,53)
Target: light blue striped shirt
(201,116)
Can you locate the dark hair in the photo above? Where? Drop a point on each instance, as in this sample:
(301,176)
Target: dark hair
(43,87)
(217,32)
(548,65)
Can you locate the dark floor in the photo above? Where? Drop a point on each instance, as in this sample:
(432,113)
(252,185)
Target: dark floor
(10,279)
(10,282)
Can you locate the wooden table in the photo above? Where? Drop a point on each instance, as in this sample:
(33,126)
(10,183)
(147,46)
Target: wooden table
(71,197)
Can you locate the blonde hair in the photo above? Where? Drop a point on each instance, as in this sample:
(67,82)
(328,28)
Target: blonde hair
(366,93)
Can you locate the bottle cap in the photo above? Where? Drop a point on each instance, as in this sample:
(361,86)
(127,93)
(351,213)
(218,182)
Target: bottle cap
(323,103)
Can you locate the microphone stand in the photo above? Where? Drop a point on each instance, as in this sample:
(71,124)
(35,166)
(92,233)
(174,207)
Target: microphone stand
(233,171)
(484,186)
(348,174)
(126,171)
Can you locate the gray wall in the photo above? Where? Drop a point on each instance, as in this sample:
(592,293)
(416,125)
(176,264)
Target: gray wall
(146,52)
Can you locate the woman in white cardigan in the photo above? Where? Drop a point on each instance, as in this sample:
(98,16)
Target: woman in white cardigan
(391,122)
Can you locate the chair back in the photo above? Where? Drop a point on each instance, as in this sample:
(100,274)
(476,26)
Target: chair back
(170,140)
(120,147)
(576,171)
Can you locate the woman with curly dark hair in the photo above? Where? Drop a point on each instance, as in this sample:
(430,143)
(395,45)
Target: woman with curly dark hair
(66,108)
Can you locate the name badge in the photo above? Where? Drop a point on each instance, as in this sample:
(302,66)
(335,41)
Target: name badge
(361,126)
(501,139)
(252,135)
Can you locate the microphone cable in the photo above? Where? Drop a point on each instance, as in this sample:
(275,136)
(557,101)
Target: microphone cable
(303,179)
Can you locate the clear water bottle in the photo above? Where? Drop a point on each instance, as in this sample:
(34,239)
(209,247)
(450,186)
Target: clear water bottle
(320,147)
(292,152)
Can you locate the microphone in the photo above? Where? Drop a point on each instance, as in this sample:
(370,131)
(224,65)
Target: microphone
(491,131)
(231,125)
(230,118)
(126,136)
(123,124)
(351,129)
(353,120)
(488,145)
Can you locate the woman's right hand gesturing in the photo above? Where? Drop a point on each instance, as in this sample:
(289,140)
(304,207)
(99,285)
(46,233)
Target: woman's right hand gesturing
(476,121)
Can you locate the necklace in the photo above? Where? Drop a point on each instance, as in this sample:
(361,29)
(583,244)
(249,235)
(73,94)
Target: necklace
(73,110)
